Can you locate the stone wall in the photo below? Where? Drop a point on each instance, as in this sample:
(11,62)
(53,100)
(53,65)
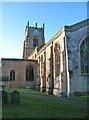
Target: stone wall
(69,79)
(19,66)
(74,38)
(48,80)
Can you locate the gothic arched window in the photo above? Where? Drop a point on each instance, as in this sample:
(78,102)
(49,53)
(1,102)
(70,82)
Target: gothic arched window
(12,75)
(84,56)
(57,58)
(29,73)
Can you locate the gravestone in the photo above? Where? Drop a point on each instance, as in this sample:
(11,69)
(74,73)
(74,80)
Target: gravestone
(3,86)
(4,97)
(15,98)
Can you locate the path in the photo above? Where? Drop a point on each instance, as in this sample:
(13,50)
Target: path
(60,99)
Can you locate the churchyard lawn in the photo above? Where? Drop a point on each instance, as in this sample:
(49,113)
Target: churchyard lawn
(31,107)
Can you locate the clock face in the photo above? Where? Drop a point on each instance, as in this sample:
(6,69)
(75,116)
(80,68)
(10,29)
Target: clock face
(36,32)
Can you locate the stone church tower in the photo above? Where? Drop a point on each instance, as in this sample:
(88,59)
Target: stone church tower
(34,37)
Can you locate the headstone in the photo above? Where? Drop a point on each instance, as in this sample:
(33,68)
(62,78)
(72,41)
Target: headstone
(4,97)
(3,86)
(15,98)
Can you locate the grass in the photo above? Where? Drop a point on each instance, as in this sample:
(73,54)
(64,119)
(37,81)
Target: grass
(81,98)
(41,108)
(31,91)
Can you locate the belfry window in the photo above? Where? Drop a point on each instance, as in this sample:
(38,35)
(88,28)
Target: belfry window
(12,75)
(29,73)
(84,56)
(35,42)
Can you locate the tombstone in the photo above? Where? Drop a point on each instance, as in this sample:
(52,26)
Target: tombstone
(15,98)
(3,86)
(4,97)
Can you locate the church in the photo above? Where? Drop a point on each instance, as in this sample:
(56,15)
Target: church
(59,67)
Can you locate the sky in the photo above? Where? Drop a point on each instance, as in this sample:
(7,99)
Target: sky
(16,14)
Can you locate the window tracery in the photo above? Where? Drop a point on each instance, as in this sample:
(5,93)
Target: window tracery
(29,73)
(84,56)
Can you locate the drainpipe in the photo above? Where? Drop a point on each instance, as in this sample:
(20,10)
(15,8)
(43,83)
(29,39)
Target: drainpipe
(67,72)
